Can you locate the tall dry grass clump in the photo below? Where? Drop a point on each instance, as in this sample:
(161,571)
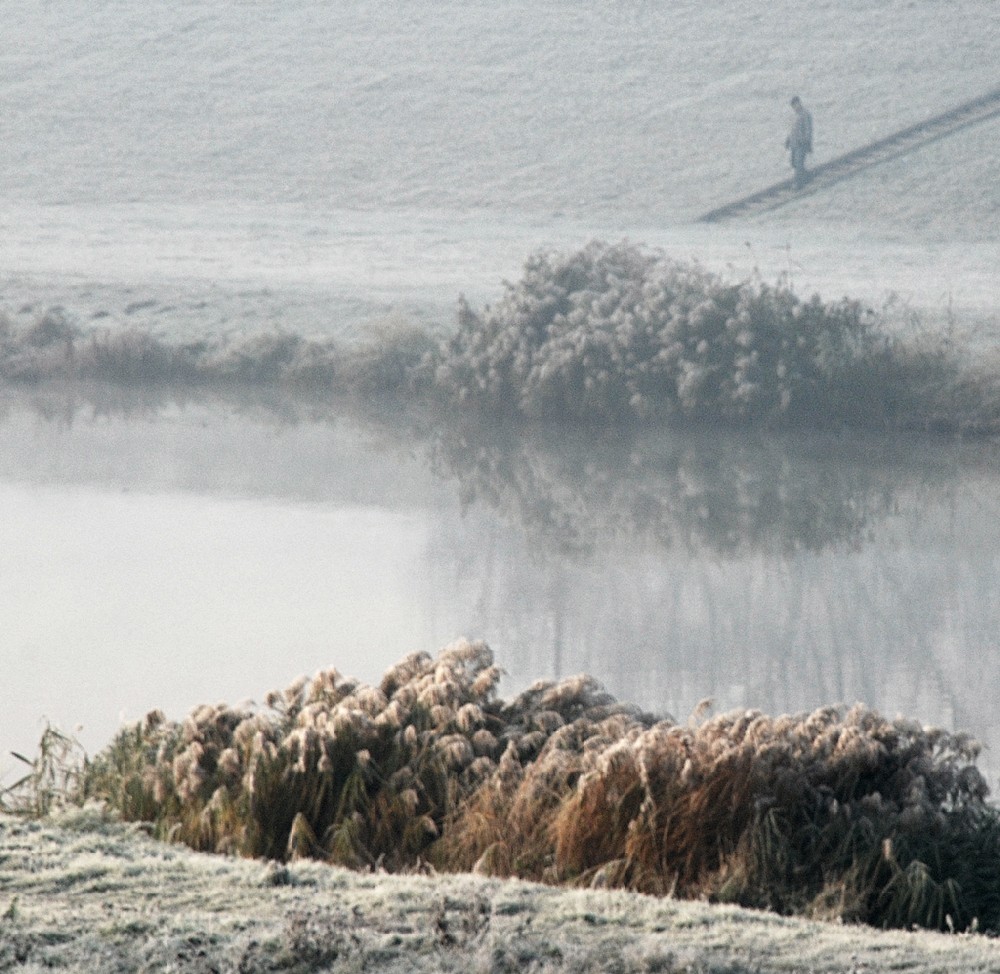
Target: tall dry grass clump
(836,813)
(828,814)
(49,780)
(330,768)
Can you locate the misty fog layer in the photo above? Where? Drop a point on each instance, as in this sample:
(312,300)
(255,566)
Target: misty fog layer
(198,552)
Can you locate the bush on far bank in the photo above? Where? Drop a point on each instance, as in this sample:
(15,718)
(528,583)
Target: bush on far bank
(607,335)
(615,333)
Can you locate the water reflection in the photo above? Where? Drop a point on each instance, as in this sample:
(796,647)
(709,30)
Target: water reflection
(762,571)
(765,571)
(721,492)
(778,573)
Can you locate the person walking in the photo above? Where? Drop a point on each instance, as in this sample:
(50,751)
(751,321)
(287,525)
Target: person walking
(800,141)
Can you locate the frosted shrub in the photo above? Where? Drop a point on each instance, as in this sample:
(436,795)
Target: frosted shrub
(43,349)
(269,358)
(387,363)
(615,333)
(133,356)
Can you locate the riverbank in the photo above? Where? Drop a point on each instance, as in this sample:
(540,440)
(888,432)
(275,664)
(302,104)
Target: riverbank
(85,894)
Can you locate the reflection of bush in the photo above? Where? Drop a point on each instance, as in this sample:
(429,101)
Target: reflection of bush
(575,489)
(831,814)
(687,488)
(612,333)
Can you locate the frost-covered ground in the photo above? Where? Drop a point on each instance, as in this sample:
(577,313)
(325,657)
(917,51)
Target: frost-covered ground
(317,167)
(90,896)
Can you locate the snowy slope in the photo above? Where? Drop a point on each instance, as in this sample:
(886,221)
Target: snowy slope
(354,159)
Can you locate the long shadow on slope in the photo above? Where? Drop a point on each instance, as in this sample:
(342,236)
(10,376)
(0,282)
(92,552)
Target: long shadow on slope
(900,143)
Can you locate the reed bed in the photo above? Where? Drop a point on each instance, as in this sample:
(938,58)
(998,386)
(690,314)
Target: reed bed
(834,814)
(54,348)
(607,335)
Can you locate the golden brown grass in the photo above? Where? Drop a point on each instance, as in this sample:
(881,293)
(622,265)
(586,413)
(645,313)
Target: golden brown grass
(835,813)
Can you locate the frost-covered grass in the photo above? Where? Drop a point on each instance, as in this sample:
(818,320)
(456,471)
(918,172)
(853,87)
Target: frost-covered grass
(55,348)
(648,114)
(83,894)
(609,334)
(833,814)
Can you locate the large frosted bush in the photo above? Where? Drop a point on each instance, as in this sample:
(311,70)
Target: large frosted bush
(615,332)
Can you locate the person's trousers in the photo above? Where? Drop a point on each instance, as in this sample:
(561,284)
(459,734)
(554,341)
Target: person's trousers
(799,164)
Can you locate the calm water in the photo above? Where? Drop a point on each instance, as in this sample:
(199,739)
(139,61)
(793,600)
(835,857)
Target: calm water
(164,555)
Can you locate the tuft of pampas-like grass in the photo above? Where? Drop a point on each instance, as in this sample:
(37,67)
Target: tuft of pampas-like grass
(838,813)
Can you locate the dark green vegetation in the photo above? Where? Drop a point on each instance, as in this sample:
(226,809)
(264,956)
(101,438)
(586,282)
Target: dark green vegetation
(606,335)
(833,814)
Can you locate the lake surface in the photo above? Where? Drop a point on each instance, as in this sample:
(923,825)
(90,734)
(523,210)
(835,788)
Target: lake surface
(165,554)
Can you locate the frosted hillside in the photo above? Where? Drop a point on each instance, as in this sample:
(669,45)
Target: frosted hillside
(80,898)
(314,165)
